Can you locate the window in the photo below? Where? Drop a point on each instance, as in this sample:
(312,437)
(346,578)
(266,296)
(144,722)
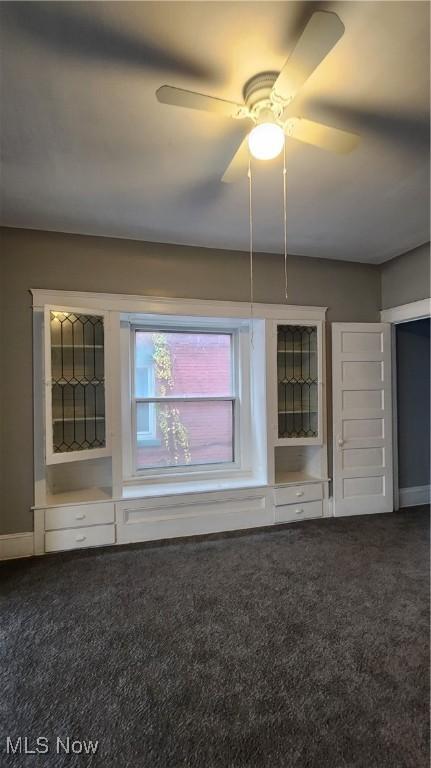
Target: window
(146,432)
(184,404)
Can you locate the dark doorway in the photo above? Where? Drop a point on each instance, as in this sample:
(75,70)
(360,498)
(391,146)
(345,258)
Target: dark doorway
(413,405)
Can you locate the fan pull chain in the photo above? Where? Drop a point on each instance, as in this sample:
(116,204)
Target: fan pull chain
(285,220)
(250,210)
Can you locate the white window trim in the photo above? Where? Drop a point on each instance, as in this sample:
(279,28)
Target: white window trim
(218,472)
(177,307)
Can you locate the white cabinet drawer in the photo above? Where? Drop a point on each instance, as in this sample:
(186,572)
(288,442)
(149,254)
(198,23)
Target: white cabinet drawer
(291,512)
(78,515)
(77,538)
(294,494)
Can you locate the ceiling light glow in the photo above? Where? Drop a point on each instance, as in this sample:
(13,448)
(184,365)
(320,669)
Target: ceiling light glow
(266,141)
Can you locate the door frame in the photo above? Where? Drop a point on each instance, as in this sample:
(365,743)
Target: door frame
(403,313)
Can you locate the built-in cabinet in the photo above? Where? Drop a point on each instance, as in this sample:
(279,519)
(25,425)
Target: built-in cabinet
(82,495)
(297,451)
(76,414)
(298,382)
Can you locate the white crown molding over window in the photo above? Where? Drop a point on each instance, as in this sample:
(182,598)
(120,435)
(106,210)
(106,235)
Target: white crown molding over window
(157,305)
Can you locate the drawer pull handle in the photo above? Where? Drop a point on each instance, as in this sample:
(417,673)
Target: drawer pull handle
(299,511)
(80,516)
(299,493)
(81,538)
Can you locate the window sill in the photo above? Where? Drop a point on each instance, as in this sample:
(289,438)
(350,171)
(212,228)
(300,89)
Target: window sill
(137,489)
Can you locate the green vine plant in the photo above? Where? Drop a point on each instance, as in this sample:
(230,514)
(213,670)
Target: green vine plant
(175,434)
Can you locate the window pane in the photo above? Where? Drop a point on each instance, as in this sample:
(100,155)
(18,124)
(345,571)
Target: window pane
(142,382)
(143,418)
(186,433)
(183,364)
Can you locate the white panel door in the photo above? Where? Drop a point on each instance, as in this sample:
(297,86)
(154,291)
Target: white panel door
(362,416)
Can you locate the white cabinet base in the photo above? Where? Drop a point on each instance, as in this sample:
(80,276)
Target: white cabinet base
(300,501)
(79,538)
(78,515)
(124,521)
(191,515)
(290,513)
(297,494)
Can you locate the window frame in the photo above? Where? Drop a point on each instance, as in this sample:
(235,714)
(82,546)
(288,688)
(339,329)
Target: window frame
(240,398)
(150,435)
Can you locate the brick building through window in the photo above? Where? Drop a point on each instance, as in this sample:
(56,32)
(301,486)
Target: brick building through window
(184,398)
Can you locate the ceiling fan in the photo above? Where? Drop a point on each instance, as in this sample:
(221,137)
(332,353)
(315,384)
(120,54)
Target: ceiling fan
(268,94)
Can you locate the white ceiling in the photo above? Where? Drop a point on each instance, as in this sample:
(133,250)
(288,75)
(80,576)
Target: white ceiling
(88,149)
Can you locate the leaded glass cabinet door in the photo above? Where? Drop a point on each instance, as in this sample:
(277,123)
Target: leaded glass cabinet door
(76,403)
(299,367)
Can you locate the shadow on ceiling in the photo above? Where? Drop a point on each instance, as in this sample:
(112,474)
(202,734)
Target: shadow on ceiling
(68,30)
(405,130)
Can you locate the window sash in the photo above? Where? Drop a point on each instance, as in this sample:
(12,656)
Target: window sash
(186,398)
(233,398)
(197,329)
(194,467)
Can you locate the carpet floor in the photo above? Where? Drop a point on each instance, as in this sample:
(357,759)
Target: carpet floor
(303,646)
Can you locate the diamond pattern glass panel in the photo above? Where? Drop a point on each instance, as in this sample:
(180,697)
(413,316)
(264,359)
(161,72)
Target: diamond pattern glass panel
(297,380)
(78,385)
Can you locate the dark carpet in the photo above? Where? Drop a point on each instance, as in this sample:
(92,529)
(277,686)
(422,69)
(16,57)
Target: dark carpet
(298,646)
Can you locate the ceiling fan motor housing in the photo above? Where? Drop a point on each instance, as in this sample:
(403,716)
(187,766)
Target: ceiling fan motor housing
(258,97)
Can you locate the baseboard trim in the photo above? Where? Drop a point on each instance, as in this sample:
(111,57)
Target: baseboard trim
(14,545)
(412,497)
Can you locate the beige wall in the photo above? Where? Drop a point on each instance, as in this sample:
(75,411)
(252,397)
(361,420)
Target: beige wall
(33,259)
(406,278)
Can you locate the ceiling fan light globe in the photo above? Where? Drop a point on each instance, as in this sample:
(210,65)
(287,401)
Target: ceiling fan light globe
(266,141)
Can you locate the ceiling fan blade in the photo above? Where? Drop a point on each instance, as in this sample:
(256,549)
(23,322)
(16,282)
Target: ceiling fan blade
(323,136)
(238,166)
(319,37)
(405,129)
(178,97)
